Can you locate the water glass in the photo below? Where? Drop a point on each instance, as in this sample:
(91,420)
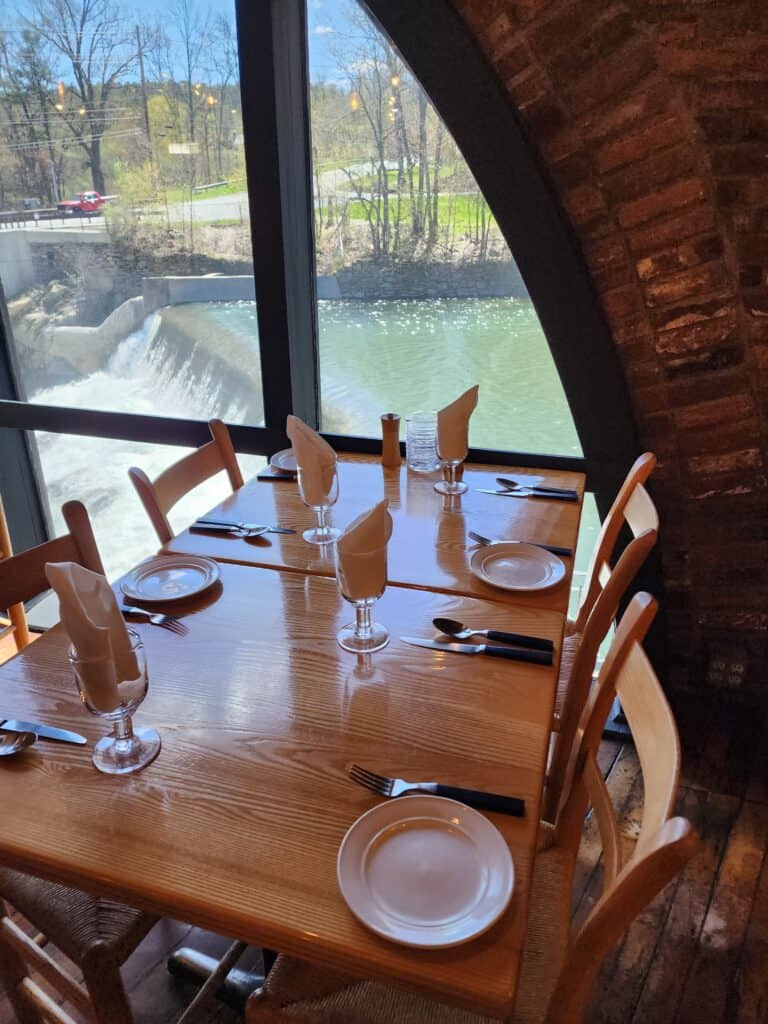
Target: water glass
(363,636)
(322,533)
(127,749)
(421,442)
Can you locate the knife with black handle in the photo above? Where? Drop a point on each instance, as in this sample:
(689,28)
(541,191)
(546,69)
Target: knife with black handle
(511,653)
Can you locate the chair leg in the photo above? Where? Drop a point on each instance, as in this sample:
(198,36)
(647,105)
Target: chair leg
(13,970)
(105,987)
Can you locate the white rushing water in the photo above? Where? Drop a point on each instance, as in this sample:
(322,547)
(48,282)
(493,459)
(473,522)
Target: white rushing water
(200,361)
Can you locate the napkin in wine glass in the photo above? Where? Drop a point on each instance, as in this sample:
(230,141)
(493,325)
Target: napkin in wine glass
(90,614)
(315,458)
(362,553)
(453,426)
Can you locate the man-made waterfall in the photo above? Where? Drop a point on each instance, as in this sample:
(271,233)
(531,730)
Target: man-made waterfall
(202,360)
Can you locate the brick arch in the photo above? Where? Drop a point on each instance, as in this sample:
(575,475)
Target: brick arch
(647,116)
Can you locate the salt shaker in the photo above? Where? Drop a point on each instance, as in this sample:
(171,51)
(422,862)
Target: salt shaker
(390,439)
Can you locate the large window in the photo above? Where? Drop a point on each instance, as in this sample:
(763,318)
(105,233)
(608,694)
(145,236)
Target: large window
(253,207)
(125,242)
(418,293)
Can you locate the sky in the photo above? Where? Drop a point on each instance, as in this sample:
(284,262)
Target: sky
(325,19)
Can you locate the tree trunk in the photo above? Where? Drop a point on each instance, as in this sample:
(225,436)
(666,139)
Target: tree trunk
(97,174)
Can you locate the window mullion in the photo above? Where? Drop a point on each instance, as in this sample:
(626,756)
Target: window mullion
(272,42)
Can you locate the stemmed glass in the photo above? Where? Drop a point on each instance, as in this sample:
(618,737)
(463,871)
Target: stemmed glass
(322,533)
(363,636)
(451,482)
(127,749)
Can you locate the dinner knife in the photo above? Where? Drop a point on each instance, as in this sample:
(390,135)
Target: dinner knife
(508,484)
(44,732)
(512,653)
(527,492)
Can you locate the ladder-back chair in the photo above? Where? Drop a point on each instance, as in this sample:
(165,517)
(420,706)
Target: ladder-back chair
(603,592)
(15,625)
(557,970)
(159,496)
(96,934)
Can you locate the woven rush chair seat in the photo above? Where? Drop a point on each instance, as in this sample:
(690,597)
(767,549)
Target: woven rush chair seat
(79,924)
(568,652)
(303,992)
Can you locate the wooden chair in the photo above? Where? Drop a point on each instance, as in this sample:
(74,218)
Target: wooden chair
(557,971)
(602,595)
(158,498)
(15,624)
(96,934)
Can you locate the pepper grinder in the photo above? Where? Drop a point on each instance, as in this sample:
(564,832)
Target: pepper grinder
(390,439)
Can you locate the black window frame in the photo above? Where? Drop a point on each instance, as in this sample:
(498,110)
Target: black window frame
(275,97)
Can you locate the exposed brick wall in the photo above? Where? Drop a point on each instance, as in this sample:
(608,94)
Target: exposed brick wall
(651,117)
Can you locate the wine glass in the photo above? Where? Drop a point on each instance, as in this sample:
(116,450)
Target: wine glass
(127,749)
(452,473)
(362,579)
(320,504)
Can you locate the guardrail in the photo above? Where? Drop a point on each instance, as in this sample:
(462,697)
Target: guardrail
(20,218)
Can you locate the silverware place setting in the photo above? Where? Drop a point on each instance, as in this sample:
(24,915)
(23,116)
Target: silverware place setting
(254,529)
(170,622)
(532,657)
(460,631)
(529,492)
(479,538)
(516,485)
(391,787)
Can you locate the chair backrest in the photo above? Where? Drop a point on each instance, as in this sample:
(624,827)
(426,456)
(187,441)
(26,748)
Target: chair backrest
(18,619)
(159,497)
(616,583)
(664,844)
(632,506)
(23,576)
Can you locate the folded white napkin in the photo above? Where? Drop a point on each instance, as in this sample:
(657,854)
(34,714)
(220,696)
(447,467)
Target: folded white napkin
(362,554)
(453,425)
(315,458)
(92,618)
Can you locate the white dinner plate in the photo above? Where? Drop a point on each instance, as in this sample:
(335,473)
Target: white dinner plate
(170,578)
(425,871)
(513,566)
(284,461)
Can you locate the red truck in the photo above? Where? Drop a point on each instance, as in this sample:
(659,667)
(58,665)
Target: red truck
(83,204)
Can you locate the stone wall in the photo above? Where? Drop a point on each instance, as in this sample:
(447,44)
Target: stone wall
(650,117)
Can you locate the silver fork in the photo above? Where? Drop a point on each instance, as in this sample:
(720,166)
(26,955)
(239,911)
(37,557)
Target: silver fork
(486,541)
(171,622)
(385,786)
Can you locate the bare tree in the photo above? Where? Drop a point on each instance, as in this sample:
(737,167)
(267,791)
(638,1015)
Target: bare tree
(26,83)
(98,48)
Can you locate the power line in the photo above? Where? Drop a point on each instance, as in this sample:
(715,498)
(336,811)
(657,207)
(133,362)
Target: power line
(72,141)
(35,122)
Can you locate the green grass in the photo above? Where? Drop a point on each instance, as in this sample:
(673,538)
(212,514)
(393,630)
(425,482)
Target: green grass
(462,209)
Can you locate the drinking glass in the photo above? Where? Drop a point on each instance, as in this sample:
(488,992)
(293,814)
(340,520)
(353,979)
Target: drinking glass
(421,442)
(127,749)
(363,636)
(451,482)
(322,533)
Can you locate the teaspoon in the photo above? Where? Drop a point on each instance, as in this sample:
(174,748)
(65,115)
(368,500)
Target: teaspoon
(451,627)
(13,742)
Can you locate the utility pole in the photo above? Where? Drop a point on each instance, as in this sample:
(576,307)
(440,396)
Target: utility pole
(144,103)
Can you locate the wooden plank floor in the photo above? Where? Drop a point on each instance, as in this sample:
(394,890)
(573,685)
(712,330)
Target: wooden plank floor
(697,955)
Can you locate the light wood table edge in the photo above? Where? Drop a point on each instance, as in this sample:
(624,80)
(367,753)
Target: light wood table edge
(247,929)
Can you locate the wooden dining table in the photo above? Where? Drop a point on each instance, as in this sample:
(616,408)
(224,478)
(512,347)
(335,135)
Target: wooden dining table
(430,547)
(236,826)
